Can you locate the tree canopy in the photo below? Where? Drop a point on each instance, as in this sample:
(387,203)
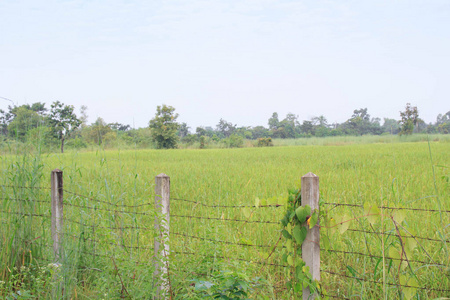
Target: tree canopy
(164,127)
(63,121)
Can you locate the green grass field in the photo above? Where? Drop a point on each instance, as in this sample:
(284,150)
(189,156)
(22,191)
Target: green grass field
(410,175)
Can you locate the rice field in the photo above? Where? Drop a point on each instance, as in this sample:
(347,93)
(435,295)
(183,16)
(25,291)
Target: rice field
(102,245)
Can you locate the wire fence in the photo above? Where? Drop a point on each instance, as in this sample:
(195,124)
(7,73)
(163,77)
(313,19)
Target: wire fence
(125,233)
(397,244)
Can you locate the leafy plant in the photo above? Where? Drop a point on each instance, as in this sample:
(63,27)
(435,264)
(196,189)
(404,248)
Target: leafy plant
(224,284)
(294,229)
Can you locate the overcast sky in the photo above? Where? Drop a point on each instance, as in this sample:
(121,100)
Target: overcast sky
(236,60)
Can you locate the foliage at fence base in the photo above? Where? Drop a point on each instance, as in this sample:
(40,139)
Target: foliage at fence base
(295,223)
(224,284)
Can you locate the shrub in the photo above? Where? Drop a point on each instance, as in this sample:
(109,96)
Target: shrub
(264,142)
(234,141)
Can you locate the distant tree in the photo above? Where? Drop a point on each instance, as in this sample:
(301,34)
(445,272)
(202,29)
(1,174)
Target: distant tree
(360,123)
(409,118)
(244,131)
(225,129)
(83,115)
(200,131)
(274,123)
(443,123)
(390,126)
(183,130)
(289,124)
(21,120)
(5,118)
(307,128)
(164,127)
(260,132)
(63,121)
(119,126)
(39,108)
(321,128)
(320,121)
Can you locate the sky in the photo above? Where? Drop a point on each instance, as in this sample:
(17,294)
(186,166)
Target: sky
(236,60)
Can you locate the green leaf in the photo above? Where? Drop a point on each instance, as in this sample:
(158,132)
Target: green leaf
(299,273)
(399,216)
(306,272)
(354,273)
(345,224)
(314,218)
(286,234)
(372,213)
(302,212)
(299,233)
(290,260)
(409,292)
(247,212)
(257,202)
(263,201)
(332,226)
(289,245)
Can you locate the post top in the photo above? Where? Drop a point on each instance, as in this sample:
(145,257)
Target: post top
(310,174)
(57,171)
(162,175)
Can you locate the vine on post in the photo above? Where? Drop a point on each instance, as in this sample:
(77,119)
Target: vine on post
(294,229)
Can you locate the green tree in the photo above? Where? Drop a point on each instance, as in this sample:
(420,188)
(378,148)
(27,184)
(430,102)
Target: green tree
(63,121)
(443,123)
(307,128)
(390,126)
(183,130)
(164,127)
(97,131)
(409,118)
(274,122)
(260,132)
(23,120)
(226,129)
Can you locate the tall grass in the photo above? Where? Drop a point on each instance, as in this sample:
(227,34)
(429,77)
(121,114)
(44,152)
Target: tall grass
(394,174)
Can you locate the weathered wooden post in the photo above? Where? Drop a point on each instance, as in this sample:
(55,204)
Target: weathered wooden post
(162,204)
(57,213)
(311,245)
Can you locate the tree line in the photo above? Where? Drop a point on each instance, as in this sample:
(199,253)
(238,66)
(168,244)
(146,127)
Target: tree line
(59,126)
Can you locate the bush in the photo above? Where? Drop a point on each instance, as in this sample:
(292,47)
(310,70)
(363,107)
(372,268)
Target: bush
(234,141)
(264,142)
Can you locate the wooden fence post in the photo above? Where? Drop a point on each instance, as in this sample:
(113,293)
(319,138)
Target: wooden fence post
(57,213)
(311,245)
(162,203)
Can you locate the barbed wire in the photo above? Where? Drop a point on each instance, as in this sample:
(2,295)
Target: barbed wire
(100,255)
(106,227)
(25,200)
(396,235)
(218,241)
(388,283)
(224,219)
(25,214)
(26,187)
(106,202)
(230,258)
(110,243)
(386,257)
(387,207)
(106,209)
(227,206)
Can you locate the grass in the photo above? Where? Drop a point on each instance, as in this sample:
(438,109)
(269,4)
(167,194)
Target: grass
(355,171)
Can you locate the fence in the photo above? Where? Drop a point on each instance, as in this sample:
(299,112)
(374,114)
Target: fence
(124,239)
